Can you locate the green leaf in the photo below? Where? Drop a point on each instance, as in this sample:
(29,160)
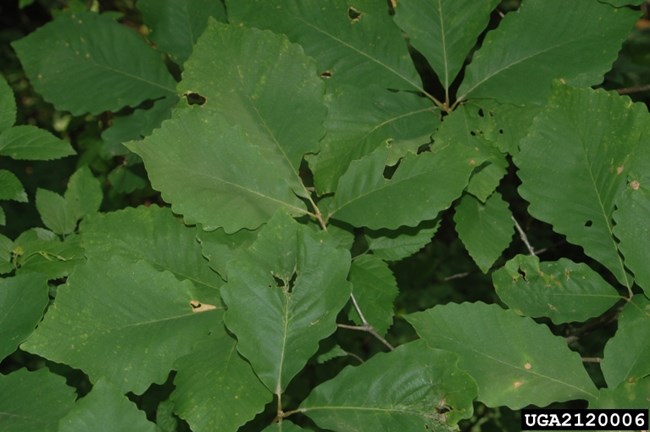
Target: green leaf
(430,394)
(503,125)
(175,25)
(360,119)
(140,318)
(124,181)
(515,361)
(343,236)
(219,247)
(216,389)
(401,243)
(621,3)
(335,352)
(6,255)
(468,127)
(632,395)
(285,426)
(33,401)
(627,354)
(73,59)
(11,188)
(375,289)
(3,217)
(166,420)
(573,166)
(105,408)
(137,125)
(84,193)
(444,31)
(30,142)
(485,229)
(268,87)
(631,229)
(562,290)
(56,213)
(198,151)
(419,189)
(349,42)
(155,235)
(283,295)
(22,302)
(543,41)
(7,105)
(41,251)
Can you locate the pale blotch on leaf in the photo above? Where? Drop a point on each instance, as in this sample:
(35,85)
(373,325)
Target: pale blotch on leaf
(197,306)
(635,185)
(517,384)
(619,170)
(528,366)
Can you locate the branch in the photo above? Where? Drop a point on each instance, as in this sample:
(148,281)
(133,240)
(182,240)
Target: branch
(523,236)
(634,89)
(366,327)
(456,276)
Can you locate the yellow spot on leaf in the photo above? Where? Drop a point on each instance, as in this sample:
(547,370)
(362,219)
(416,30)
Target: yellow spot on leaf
(619,170)
(516,384)
(635,185)
(528,366)
(197,306)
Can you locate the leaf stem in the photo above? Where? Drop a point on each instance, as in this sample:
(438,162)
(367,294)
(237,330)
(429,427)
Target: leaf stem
(442,105)
(523,236)
(280,414)
(292,412)
(366,327)
(317,214)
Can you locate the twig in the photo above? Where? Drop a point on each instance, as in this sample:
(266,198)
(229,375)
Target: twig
(523,236)
(354,356)
(634,89)
(366,327)
(456,276)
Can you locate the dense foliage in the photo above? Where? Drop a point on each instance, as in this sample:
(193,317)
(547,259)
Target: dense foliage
(341,215)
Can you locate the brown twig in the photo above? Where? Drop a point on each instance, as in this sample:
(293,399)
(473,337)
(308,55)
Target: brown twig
(633,89)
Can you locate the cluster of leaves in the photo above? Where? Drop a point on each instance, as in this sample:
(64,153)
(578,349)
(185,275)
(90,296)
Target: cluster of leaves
(304,148)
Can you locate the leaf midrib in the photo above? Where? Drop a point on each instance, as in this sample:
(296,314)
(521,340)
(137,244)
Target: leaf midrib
(513,64)
(358,51)
(471,348)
